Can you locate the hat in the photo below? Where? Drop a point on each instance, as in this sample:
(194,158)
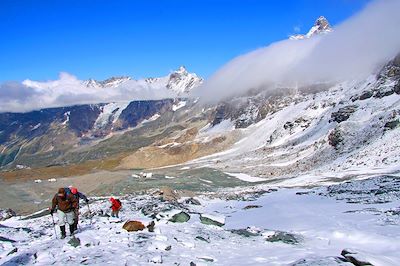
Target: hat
(74,190)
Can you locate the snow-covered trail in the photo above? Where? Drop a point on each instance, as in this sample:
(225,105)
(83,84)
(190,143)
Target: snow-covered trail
(323,226)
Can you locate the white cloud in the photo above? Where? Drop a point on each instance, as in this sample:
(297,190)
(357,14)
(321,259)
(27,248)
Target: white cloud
(356,48)
(69,90)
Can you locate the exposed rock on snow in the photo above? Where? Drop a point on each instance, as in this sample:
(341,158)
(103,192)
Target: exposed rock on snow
(75,242)
(181,217)
(133,226)
(343,113)
(210,219)
(6,214)
(285,237)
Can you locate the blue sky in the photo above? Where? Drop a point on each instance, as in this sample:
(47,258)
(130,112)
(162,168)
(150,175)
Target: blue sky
(99,39)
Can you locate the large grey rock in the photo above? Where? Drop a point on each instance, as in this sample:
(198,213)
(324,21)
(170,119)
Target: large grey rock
(343,113)
(75,242)
(209,221)
(335,138)
(181,217)
(285,237)
(355,258)
(328,261)
(6,214)
(245,232)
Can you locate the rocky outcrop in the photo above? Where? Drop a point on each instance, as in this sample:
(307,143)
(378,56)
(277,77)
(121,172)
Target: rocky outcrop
(343,113)
(335,138)
(355,258)
(133,226)
(285,237)
(181,217)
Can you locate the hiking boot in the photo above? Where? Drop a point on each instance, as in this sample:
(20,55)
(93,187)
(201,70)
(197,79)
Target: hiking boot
(63,234)
(72,229)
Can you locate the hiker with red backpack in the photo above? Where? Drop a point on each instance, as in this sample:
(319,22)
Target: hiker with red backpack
(78,195)
(116,206)
(66,207)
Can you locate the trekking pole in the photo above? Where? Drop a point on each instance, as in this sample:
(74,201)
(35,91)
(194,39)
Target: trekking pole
(54,226)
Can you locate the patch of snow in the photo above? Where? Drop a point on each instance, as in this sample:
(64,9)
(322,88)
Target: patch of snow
(110,114)
(245,177)
(178,106)
(153,118)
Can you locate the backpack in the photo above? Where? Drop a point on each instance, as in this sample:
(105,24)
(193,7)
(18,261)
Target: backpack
(120,204)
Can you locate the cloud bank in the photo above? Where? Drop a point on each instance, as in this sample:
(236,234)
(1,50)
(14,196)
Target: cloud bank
(355,49)
(68,90)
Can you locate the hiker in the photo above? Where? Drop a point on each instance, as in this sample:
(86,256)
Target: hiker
(78,195)
(116,205)
(66,206)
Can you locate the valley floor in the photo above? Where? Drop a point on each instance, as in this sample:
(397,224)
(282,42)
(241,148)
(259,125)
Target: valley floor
(261,227)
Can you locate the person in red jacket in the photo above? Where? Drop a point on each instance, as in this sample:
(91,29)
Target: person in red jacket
(115,207)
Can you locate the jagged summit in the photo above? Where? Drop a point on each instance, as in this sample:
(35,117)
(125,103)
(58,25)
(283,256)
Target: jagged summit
(321,26)
(108,83)
(180,81)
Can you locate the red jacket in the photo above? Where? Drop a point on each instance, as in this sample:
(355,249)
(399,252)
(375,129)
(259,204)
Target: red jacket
(115,205)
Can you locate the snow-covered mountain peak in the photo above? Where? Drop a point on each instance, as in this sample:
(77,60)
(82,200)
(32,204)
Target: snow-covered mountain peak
(108,83)
(321,26)
(115,81)
(181,81)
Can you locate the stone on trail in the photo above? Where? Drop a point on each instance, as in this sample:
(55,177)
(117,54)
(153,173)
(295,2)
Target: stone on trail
(181,217)
(14,250)
(133,226)
(355,257)
(285,237)
(248,207)
(75,242)
(4,239)
(192,201)
(245,232)
(6,214)
(202,239)
(212,220)
(150,226)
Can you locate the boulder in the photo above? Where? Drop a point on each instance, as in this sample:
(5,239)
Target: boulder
(181,217)
(335,138)
(14,250)
(248,207)
(6,214)
(133,226)
(366,95)
(202,239)
(168,194)
(4,239)
(150,226)
(325,261)
(244,232)
(285,237)
(343,113)
(355,258)
(392,124)
(75,242)
(192,201)
(396,88)
(212,220)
